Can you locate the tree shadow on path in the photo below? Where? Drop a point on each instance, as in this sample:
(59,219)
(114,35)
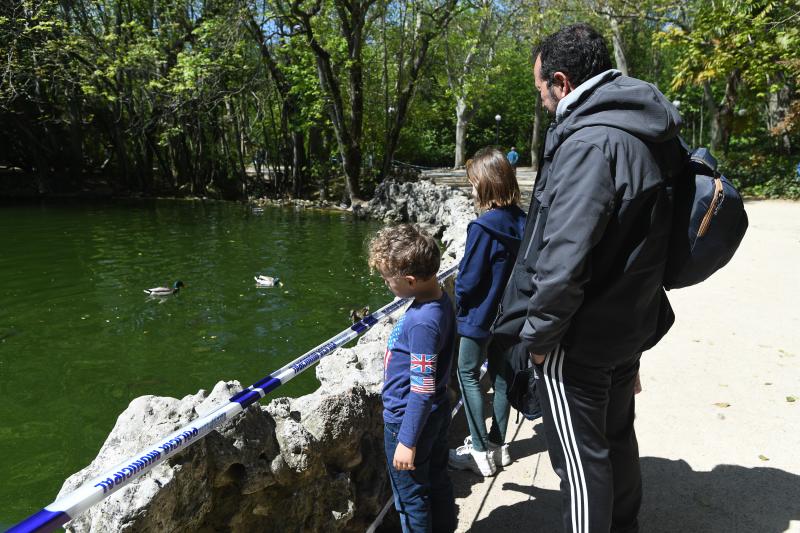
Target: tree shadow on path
(728,499)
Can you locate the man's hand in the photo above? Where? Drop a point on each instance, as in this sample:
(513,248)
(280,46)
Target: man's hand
(404,457)
(538,359)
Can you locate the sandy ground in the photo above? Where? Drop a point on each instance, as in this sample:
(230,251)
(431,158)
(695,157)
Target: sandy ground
(718,426)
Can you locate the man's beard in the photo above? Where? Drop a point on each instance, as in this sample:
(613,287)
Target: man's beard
(553,99)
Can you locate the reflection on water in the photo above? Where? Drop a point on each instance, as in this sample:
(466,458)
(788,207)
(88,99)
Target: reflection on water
(79,339)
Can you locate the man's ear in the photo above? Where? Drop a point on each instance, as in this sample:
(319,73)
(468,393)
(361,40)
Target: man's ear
(561,81)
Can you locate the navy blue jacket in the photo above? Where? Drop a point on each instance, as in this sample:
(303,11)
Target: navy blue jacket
(492,243)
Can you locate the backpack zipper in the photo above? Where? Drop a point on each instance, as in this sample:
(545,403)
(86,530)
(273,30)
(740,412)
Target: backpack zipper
(719,193)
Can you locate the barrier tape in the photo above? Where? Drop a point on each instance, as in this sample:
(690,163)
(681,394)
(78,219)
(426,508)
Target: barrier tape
(81,499)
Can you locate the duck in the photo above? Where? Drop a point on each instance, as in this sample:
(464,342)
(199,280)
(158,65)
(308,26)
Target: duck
(357,316)
(267,281)
(165,291)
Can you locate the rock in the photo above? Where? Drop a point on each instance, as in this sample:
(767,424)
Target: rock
(437,208)
(314,463)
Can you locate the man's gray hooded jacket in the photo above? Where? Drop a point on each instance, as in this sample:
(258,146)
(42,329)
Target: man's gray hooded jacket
(590,268)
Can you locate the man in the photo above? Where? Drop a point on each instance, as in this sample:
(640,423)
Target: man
(586,296)
(513,157)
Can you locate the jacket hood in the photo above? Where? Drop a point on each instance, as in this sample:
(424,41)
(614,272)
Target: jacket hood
(611,99)
(506,224)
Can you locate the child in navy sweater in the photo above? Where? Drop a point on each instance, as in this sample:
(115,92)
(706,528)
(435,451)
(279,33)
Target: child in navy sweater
(493,240)
(417,363)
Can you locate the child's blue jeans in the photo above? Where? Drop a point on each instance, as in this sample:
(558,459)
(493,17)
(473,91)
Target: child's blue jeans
(424,496)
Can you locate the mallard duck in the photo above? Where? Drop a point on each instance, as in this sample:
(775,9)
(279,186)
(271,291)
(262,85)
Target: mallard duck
(356,316)
(267,281)
(165,291)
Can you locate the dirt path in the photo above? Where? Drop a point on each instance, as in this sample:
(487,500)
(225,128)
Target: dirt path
(719,419)
(457,178)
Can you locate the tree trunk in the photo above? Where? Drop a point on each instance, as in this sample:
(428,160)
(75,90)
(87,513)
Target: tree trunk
(317,160)
(777,107)
(619,51)
(463,116)
(298,162)
(722,114)
(76,138)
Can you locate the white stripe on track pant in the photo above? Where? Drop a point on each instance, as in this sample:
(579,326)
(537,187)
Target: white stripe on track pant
(588,415)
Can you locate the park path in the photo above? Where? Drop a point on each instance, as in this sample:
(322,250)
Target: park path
(457,178)
(718,421)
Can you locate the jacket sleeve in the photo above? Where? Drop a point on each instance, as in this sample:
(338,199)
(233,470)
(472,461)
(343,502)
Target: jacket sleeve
(423,341)
(475,262)
(580,206)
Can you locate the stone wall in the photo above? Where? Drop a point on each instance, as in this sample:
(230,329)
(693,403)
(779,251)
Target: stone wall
(314,463)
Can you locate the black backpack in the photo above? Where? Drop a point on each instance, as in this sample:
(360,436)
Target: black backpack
(708,224)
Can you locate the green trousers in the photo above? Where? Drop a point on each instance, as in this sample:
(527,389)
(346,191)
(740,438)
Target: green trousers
(471,355)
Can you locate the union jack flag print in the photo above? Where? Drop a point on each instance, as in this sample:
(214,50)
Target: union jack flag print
(422,363)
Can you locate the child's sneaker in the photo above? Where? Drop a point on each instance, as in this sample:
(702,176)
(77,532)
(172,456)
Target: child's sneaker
(500,455)
(467,458)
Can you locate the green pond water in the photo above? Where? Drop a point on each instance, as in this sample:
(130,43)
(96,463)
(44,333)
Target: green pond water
(79,339)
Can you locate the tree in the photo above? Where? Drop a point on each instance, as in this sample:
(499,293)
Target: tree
(343,44)
(727,46)
(470,52)
(430,19)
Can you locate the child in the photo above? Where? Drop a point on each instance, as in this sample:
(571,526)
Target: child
(417,364)
(492,243)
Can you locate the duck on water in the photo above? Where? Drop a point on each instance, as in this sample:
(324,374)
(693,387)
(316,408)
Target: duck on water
(165,291)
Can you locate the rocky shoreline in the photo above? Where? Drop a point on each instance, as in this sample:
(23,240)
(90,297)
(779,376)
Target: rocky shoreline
(313,463)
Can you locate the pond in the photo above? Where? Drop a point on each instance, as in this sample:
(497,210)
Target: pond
(79,339)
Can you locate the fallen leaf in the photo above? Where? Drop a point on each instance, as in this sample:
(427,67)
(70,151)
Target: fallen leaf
(763,457)
(722,404)
(791,399)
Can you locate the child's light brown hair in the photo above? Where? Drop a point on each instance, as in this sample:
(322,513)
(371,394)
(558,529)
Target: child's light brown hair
(493,177)
(404,250)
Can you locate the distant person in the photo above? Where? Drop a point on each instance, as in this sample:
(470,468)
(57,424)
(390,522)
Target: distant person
(586,296)
(492,243)
(513,157)
(416,412)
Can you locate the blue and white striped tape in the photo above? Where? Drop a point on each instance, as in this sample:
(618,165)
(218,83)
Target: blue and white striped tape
(78,501)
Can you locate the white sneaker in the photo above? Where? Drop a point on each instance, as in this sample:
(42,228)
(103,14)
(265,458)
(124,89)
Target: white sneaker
(500,455)
(467,458)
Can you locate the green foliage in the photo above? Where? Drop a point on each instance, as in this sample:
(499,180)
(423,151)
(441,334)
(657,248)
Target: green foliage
(187,96)
(758,171)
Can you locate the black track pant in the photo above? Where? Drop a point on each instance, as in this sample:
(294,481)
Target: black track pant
(588,417)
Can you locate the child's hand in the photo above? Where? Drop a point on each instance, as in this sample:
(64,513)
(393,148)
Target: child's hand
(404,457)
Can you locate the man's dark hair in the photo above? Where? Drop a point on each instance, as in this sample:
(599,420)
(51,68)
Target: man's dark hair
(579,51)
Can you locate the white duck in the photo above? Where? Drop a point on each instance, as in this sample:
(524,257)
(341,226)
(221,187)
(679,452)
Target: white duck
(267,281)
